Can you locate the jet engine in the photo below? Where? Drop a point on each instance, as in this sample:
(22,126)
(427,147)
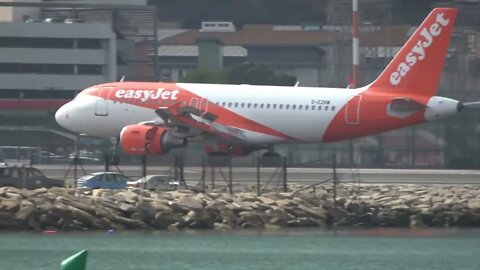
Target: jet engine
(149,140)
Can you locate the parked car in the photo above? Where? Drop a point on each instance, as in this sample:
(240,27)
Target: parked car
(26,177)
(108,180)
(154,182)
(86,157)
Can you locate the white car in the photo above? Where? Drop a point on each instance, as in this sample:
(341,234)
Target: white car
(154,182)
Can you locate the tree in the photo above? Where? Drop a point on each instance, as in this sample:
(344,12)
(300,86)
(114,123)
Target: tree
(247,73)
(205,76)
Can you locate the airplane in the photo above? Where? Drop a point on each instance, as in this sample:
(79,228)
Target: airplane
(151,118)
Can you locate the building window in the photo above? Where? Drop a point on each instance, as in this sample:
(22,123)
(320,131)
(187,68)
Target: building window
(89,43)
(10,68)
(29,42)
(89,69)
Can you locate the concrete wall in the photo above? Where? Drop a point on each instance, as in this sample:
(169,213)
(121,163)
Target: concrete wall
(104,56)
(210,54)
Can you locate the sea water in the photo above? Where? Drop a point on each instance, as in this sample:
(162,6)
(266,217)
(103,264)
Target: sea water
(289,249)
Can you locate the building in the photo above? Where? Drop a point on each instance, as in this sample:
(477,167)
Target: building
(47,60)
(50,51)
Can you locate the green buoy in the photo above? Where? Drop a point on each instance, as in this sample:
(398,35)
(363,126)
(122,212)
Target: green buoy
(77,261)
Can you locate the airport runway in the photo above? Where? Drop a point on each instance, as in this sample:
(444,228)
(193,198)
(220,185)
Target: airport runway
(248,175)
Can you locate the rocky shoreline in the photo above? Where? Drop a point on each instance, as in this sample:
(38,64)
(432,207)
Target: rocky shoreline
(403,206)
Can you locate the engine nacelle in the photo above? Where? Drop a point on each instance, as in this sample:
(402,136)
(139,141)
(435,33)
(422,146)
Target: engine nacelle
(149,140)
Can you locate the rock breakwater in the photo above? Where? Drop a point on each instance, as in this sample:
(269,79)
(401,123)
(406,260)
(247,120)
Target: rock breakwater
(356,206)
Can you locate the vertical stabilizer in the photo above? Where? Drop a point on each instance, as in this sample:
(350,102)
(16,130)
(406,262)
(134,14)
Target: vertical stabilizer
(417,67)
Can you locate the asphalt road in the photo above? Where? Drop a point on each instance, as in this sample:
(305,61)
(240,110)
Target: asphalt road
(248,175)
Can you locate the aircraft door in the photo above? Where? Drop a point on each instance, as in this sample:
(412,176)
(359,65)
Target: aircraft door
(194,102)
(101,105)
(352,111)
(203,106)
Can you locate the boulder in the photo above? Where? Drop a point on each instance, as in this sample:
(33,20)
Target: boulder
(221,226)
(8,221)
(26,210)
(128,196)
(9,205)
(187,203)
(130,223)
(250,220)
(163,220)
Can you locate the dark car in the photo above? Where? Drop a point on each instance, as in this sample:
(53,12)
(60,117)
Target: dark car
(26,177)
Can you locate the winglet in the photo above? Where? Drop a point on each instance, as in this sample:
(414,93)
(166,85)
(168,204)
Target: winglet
(418,65)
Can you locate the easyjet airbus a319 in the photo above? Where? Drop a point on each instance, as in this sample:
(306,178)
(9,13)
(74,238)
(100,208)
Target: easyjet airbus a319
(152,118)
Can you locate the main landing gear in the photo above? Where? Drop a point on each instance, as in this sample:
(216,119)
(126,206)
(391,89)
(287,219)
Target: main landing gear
(271,158)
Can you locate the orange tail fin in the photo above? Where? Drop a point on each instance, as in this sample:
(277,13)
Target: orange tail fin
(417,67)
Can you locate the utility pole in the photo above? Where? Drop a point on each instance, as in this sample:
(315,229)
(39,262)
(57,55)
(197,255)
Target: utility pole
(355,64)
(355,45)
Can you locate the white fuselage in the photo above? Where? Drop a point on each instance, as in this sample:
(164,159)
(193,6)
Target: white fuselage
(300,114)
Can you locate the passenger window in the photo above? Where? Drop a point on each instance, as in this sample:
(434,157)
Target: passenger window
(280,106)
(274,106)
(313,107)
(255,105)
(248,105)
(229,104)
(261,106)
(333,108)
(326,108)
(306,107)
(300,107)
(294,106)
(243,105)
(223,104)
(287,106)
(268,106)
(236,104)
(319,108)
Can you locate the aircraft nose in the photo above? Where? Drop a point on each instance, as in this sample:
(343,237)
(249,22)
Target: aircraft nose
(62,116)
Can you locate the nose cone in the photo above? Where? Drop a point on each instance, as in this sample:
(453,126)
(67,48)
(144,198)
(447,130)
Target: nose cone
(62,116)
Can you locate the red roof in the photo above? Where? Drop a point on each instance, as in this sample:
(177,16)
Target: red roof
(32,104)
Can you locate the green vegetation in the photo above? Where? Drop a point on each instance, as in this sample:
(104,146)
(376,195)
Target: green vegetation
(248,73)
(192,13)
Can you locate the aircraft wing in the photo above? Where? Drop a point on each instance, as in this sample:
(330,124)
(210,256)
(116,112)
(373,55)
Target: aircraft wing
(183,117)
